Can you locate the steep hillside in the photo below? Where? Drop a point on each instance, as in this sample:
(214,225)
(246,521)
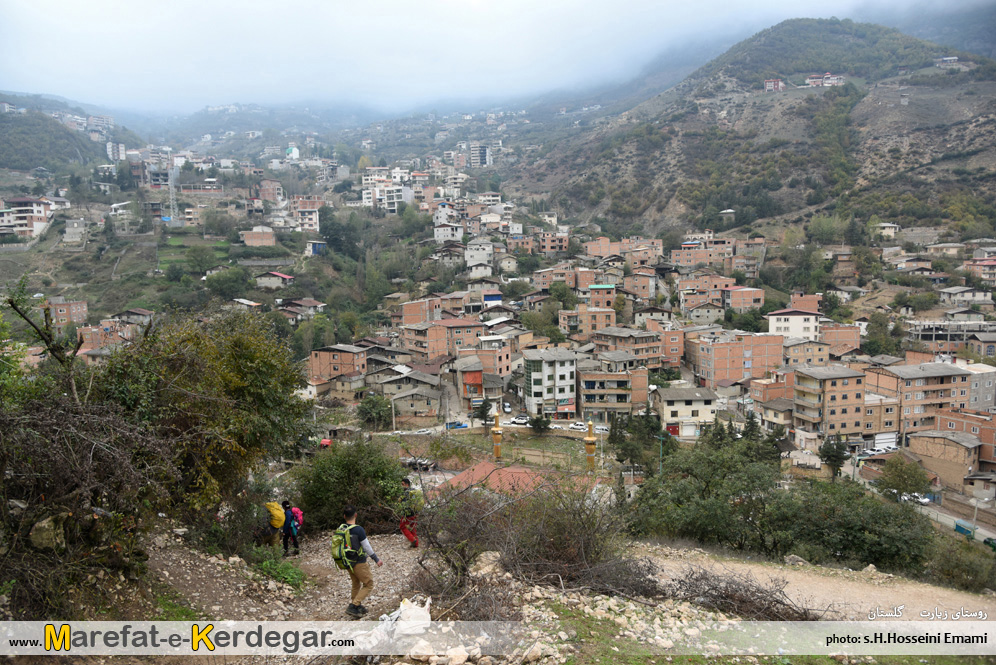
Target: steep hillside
(717,141)
(34,139)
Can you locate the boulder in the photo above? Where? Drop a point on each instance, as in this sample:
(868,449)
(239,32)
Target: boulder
(488,563)
(50,533)
(794,560)
(870,568)
(457,655)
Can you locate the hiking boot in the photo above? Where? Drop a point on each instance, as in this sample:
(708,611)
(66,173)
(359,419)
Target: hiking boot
(286,553)
(413,546)
(355,610)
(297,552)
(362,609)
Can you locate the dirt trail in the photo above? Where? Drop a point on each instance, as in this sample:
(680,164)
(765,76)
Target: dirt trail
(852,594)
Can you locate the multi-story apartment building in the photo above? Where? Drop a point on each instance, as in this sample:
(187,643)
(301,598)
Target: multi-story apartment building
(549,243)
(778,384)
(24,216)
(426,341)
(64,312)
(983,269)
(732,355)
(748,264)
(921,390)
(581,322)
(694,291)
(494,352)
(417,311)
(800,351)
(643,284)
(828,401)
(840,336)
(977,423)
(612,385)
(601,295)
(260,236)
(741,298)
(521,244)
(601,247)
(550,382)
(329,362)
(794,323)
(702,253)
(684,411)
(646,345)
(573,276)
(881,420)
(775,413)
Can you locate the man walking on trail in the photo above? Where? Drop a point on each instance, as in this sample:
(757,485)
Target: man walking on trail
(409,513)
(290,528)
(359,574)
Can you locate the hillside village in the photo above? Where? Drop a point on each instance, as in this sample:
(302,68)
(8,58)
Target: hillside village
(568,325)
(733,340)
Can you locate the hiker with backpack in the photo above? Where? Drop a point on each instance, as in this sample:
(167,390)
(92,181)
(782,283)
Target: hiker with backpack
(350,549)
(411,504)
(275,524)
(291,526)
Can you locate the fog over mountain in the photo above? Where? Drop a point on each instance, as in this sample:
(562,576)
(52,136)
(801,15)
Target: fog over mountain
(392,56)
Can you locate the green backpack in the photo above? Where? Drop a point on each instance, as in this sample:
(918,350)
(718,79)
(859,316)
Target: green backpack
(342,548)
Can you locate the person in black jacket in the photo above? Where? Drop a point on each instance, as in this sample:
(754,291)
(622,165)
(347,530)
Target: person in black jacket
(290,529)
(359,574)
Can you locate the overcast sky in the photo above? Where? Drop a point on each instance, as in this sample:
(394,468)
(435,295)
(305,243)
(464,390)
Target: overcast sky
(181,55)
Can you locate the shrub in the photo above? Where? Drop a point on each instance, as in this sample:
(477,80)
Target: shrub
(268,561)
(360,473)
(961,564)
(232,529)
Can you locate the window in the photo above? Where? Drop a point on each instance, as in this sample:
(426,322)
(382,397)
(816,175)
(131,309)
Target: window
(975,430)
(919,382)
(549,391)
(868,425)
(908,383)
(833,412)
(695,413)
(857,395)
(563,377)
(890,409)
(674,414)
(688,402)
(844,396)
(832,426)
(846,382)
(538,394)
(919,395)
(833,383)
(887,423)
(963,393)
(843,411)
(857,423)
(868,412)
(537,382)
(906,410)
(909,396)
(561,390)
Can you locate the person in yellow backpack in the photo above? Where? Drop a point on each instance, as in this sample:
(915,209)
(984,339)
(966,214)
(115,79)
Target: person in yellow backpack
(276,523)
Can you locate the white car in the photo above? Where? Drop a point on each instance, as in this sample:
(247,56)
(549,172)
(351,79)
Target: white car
(601,429)
(578,427)
(520,420)
(556,427)
(423,431)
(918,498)
(506,407)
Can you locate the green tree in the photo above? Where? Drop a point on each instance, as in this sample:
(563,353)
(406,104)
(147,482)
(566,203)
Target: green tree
(228,284)
(221,386)
(174,273)
(563,294)
(375,410)
(483,410)
(539,424)
(833,453)
(200,259)
(902,477)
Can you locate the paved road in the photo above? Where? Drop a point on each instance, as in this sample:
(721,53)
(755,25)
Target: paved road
(934,512)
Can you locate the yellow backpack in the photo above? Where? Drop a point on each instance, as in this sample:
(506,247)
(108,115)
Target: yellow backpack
(276,514)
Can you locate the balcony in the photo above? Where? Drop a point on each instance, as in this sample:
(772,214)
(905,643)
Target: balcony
(809,417)
(806,399)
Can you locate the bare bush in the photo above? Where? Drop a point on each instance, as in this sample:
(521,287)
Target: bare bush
(97,475)
(743,595)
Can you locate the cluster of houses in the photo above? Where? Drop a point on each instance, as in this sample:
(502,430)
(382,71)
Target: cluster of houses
(28,217)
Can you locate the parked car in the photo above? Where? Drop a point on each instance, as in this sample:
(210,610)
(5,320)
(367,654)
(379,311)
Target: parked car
(506,407)
(456,424)
(520,420)
(578,426)
(424,430)
(601,429)
(556,427)
(421,464)
(918,498)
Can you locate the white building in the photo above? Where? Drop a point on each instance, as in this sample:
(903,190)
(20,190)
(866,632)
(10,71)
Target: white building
(549,383)
(794,323)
